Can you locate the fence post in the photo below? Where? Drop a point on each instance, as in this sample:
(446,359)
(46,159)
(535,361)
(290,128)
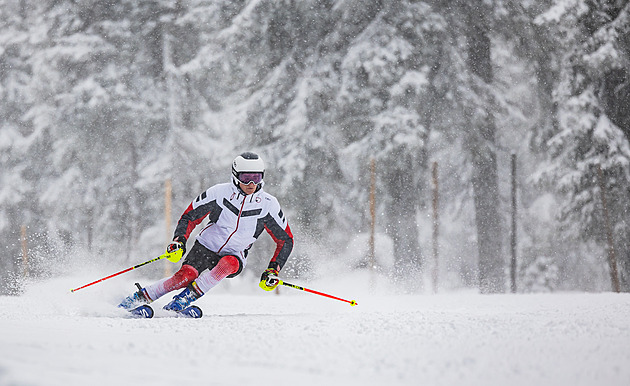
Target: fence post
(612,259)
(372,247)
(25,270)
(513,231)
(168,196)
(436,227)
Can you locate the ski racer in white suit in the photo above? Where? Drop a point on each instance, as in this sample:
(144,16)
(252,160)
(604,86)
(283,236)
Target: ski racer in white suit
(238,212)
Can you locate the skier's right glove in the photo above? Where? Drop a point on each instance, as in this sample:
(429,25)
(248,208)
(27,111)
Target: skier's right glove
(179,243)
(269,279)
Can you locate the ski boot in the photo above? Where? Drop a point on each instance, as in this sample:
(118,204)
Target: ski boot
(136,299)
(182,300)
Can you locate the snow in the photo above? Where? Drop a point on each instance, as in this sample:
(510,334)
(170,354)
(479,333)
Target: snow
(252,337)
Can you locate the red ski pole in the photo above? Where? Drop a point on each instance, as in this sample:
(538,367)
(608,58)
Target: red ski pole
(173,256)
(352,302)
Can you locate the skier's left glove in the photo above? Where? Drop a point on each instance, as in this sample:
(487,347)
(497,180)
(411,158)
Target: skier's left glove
(269,279)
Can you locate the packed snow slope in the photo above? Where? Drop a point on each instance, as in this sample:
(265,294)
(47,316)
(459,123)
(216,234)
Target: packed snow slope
(49,336)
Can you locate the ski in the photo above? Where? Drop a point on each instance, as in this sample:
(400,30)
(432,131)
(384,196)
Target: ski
(190,312)
(143,311)
(146,312)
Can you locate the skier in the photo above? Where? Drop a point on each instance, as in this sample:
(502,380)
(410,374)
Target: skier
(238,212)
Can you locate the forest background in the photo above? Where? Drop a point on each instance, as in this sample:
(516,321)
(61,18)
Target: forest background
(103,102)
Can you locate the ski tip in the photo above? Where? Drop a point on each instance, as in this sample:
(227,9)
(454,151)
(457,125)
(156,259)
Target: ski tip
(353,302)
(193,312)
(143,311)
(188,312)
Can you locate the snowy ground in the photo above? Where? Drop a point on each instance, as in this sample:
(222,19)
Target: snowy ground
(295,338)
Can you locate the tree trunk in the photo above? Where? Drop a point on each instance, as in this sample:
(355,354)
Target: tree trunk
(485,178)
(403,228)
(488,221)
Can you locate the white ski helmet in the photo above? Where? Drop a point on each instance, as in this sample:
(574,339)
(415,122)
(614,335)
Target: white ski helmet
(247,163)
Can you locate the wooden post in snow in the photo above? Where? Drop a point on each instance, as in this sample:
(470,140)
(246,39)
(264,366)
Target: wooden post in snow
(513,230)
(25,270)
(168,196)
(372,247)
(436,227)
(612,259)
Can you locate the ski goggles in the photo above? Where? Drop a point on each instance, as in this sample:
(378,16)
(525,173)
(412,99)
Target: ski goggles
(248,178)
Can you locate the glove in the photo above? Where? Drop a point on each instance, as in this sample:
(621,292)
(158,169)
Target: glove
(269,279)
(179,242)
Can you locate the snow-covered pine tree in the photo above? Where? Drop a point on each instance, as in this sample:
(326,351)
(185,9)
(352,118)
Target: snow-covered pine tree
(20,174)
(593,97)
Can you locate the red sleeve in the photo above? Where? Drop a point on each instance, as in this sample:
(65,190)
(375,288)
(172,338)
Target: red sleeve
(284,244)
(193,216)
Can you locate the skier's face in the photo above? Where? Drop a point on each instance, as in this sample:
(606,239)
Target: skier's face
(249,188)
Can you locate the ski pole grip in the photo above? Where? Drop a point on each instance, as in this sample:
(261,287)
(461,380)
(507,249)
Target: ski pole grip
(174,256)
